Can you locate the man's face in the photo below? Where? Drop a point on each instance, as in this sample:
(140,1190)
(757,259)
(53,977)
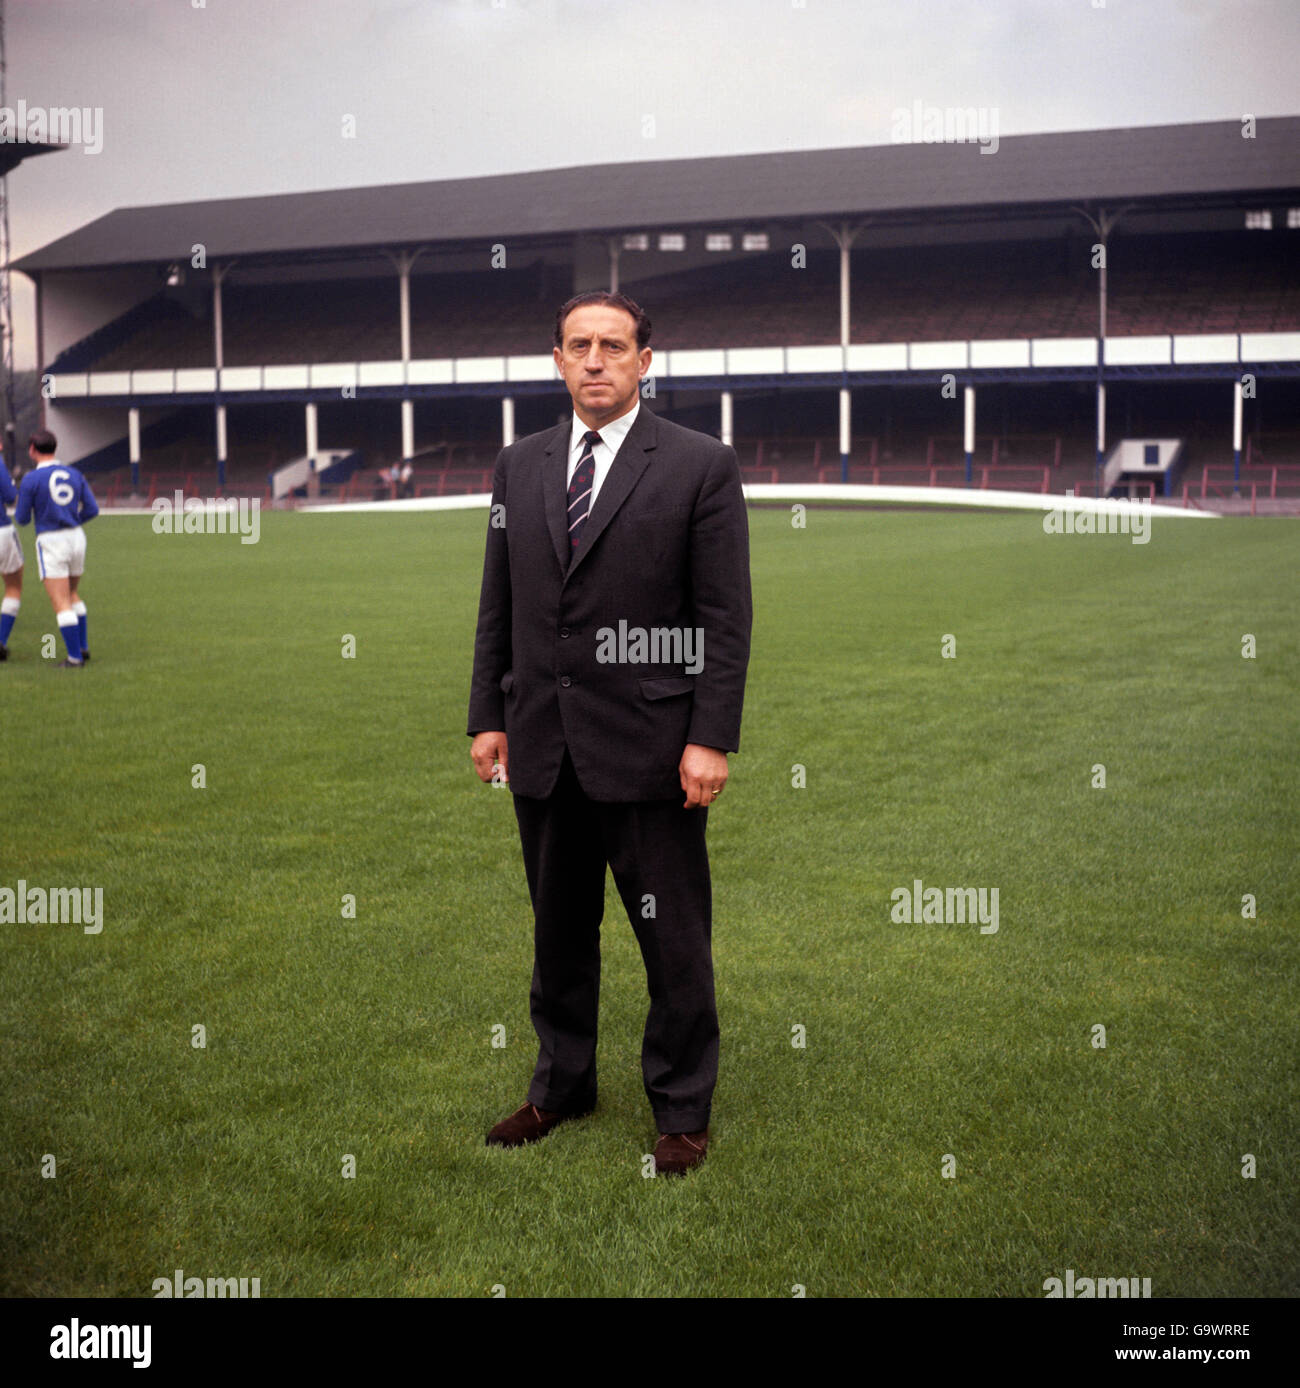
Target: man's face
(600,363)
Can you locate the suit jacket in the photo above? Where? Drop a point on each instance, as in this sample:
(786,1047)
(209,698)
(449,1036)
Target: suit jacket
(665,553)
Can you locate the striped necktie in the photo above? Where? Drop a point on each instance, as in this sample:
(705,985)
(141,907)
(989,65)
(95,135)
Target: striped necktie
(580,490)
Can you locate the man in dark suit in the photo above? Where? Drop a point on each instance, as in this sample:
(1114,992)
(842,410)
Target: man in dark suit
(609,675)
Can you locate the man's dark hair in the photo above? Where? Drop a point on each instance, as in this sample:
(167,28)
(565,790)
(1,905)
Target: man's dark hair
(43,441)
(605,296)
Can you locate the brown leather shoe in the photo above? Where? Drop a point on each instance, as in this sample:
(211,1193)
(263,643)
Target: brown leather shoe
(527,1123)
(676,1153)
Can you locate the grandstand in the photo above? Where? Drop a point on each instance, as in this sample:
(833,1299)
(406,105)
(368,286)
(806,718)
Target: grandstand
(414,320)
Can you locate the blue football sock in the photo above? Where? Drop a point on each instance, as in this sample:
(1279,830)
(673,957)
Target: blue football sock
(80,609)
(8,615)
(70,630)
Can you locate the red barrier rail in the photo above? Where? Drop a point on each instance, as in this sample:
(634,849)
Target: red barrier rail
(991,478)
(1225,491)
(1259,446)
(1083,488)
(820,448)
(1284,474)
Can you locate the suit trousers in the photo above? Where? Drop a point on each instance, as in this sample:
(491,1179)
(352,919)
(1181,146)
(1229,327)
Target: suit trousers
(657,853)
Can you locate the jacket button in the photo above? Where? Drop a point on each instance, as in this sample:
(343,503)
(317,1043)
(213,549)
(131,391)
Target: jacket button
(564,631)
(565,681)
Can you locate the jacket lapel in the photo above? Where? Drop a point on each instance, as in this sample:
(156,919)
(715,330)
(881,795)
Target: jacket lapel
(555,490)
(625,472)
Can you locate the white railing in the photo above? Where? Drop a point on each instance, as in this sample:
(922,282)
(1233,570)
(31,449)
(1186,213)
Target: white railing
(1016,353)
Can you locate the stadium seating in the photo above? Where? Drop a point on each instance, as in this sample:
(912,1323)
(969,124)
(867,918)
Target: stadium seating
(1225,282)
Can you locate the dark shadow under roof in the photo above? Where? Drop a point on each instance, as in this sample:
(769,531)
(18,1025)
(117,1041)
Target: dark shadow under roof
(1170,162)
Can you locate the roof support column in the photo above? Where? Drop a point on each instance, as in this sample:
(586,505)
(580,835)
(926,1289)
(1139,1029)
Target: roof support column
(219,273)
(1102,224)
(507,421)
(615,250)
(133,444)
(725,421)
(844,236)
(846,433)
(1101,357)
(844,293)
(40,342)
(404,303)
(404,260)
(969,429)
(1101,427)
(1236,434)
(221,448)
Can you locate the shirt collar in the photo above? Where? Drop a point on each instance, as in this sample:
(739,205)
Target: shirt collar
(611,434)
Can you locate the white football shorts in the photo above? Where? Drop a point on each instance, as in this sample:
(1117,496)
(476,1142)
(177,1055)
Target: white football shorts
(11,550)
(61,553)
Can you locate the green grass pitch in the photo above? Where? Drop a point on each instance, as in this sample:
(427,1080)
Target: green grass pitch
(372,1037)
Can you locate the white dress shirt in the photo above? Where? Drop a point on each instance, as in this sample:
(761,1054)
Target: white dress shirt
(602,453)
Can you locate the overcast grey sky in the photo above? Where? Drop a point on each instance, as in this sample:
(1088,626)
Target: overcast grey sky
(219,98)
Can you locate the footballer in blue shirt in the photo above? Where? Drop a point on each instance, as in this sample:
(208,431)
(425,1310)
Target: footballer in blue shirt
(11,562)
(58,498)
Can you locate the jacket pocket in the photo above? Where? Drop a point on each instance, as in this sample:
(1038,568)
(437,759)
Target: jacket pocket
(667,686)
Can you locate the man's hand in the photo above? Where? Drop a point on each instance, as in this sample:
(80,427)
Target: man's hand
(703,771)
(485,751)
